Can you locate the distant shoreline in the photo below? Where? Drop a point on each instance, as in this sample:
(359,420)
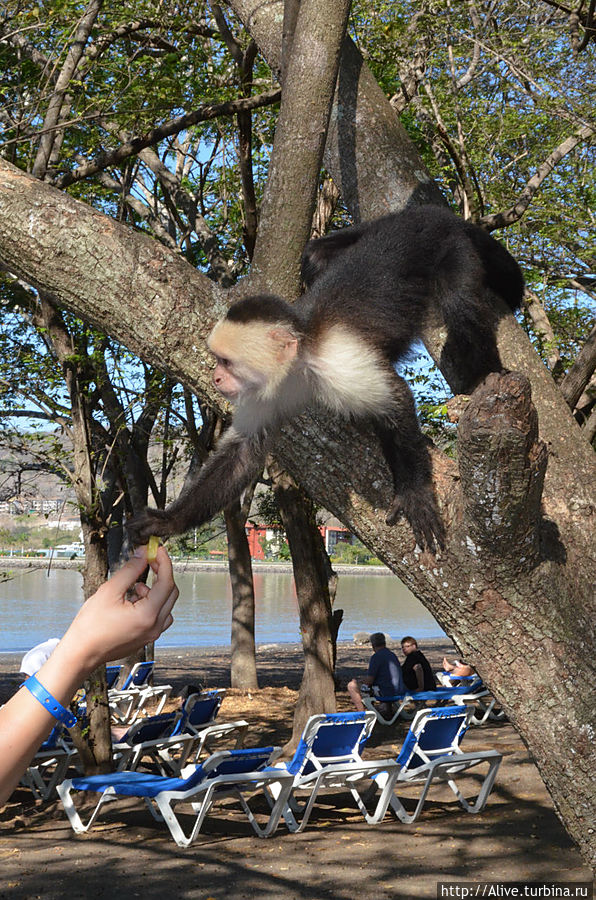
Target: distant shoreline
(182,565)
(278,663)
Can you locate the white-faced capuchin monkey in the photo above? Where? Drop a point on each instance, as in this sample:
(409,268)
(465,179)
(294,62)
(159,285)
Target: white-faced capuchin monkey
(370,291)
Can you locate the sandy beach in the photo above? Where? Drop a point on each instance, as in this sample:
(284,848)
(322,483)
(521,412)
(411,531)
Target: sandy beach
(518,836)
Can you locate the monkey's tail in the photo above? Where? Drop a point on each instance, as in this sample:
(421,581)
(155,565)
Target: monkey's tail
(503,274)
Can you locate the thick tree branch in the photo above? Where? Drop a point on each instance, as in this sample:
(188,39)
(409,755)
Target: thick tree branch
(53,113)
(578,16)
(412,70)
(589,426)
(543,327)
(124,282)
(244,62)
(362,127)
(289,201)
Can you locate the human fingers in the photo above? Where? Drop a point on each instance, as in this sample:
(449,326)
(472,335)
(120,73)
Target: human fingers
(163,576)
(141,590)
(159,599)
(128,574)
(163,618)
(166,610)
(162,565)
(163,581)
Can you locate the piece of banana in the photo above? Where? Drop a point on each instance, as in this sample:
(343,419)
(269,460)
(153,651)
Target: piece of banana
(152,545)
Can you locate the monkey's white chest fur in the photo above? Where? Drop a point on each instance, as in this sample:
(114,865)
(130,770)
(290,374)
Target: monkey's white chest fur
(350,376)
(341,373)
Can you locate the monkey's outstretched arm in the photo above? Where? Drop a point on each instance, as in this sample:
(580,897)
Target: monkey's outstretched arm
(229,470)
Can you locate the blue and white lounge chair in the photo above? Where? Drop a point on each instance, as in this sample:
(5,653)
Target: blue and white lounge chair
(397,703)
(151,740)
(472,692)
(328,756)
(225,773)
(198,717)
(170,740)
(431,752)
(112,676)
(128,701)
(49,765)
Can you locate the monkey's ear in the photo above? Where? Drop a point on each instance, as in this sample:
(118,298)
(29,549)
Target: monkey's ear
(286,345)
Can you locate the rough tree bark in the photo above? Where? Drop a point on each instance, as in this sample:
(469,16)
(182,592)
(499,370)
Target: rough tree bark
(243,669)
(527,622)
(317,690)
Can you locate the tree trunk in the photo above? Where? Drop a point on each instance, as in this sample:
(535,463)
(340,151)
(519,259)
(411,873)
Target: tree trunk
(95,745)
(332,583)
(243,671)
(309,84)
(317,691)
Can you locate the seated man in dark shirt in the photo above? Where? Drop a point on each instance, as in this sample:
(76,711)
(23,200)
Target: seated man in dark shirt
(384,677)
(416,670)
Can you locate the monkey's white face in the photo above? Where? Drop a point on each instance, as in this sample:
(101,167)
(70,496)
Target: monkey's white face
(251,358)
(224,379)
(229,382)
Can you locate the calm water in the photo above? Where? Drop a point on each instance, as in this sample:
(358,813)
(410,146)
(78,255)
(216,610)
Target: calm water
(35,606)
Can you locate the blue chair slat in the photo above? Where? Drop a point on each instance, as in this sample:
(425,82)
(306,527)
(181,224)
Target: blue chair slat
(112,675)
(138,675)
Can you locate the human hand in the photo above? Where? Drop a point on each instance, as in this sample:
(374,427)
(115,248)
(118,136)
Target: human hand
(109,626)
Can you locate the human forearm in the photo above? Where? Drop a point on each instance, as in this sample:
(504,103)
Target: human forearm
(25,723)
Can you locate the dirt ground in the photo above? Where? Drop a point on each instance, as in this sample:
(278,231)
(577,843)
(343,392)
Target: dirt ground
(128,854)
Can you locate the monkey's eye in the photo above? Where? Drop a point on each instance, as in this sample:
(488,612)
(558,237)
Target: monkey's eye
(226,363)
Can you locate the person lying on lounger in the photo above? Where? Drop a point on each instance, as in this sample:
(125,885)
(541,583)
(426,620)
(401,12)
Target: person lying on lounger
(455,670)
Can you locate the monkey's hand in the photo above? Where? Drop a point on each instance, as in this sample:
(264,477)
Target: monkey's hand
(420,509)
(156,522)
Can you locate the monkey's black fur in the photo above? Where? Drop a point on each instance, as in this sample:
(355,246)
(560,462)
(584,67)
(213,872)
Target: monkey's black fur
(380,282)
(387,276)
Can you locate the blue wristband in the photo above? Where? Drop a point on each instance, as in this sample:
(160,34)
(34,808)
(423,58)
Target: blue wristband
(50,703)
